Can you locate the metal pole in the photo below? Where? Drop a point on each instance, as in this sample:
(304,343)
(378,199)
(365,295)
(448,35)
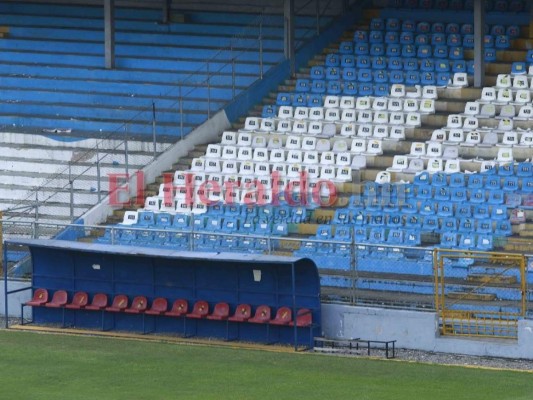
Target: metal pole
(6,310)
(98,174)
(153,129)
(126,158)
(167,5)
(288,11)
(181,111)
(36,205)
(71,184)
(208,92)
(294,312)
(109,33)
(261,48)
(479,46)
(317,3)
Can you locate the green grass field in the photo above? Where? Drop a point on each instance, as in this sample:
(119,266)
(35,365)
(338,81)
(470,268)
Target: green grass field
(44,366)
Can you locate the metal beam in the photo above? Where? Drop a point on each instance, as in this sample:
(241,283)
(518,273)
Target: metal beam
(479,46)
(109,27)
(288,13)
(167,6)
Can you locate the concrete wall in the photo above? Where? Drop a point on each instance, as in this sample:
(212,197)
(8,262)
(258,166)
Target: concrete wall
(418,330)
(15,299)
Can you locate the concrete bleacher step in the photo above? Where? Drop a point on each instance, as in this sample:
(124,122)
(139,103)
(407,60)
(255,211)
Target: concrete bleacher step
(493,279)
(468,296)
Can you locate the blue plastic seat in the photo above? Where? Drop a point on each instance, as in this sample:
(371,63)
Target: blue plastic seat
(393,50)
(413,221)
(527,185)
(467,29)
(363,62)
(303,85)
(427,207)
(442,193)
(408,26)
(410,207)
(449,240)
(481,211)
(317,72)
(299,99)
(348,61)
(324,232)
(375,37)
(355,203)
(163,220)
(470,67)
(394,220)
(443,78)
(424,191)
(466,225)
(430,223)
(214,223)
(457,179)
(381,90)
(467,241)
(495,197)
(376,235)
(392,24)
(332,73)
(396,77)
(438,39)
(377,24)
(314,100)
(332,60)
(362,49)
(449,224)
(346,47)
(181,222)
(463,210)
(442,65)
(503,228)
(349,89)
(280,229)
(380,76)
(518,68)
(392,37)
(334,87)
(529,57)
(459,66)
(412,78)
(269,111)
(395,64)
(360,234)
(490,55)
(364,75)
(475,181)
(283,99)
(178,240)
(456,53)
(440,51)
(410,64)
(477,196)
(349,74)
(395,237)
(468,41)
(454,40)
(452,28)
(424,51)
(423,27)
(379,63)
(143,238)
(318,86)
(498,212)
(360,36)
(502,42)
(497,29)
(484,242)
(524,169)
(428,78)
(513,31)
(510,184)
(438,27)
(427,65)
(407,38)
(146,219)
(342,216)
(230,225)
(408,51)
(492,182)
(484,226)
(412,238)
(377,49)
(445,209)
(376,219)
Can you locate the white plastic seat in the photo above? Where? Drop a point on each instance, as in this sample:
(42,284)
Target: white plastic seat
(329,129)
(293,142)
(230,152)
(358,162)
(309,143)
(413,119)
(397,90)
(394,104)
(507,111)
(340,146)
(348,115)
(429,92)
(418,149)
(262,169)
(472,139)
(313,170)
(362,103)
(364,131)
(397,133)
(380,117)
(275,143)
(415,166)
(229,138)
(277,156)
(487,165)
(472,108)
(509,139)
(244,139)
(488,95)
(294,170)
(343,159)
(379,104)
(487,111)
(267,125)
(327,158)
(285,112)
(151,203)
(470,123)
(523,96)
(213,151)
(358,146)
(364,117)
(182,206)
(505,124)
(438,135)
(332,115)
(198,164)
(259,141)
(344,174)
(435,165)
(526,140)
(524,113)
(284,126)
(348,130)
(299,127)
(380,132)
(503,81)
(520,82)
(251,124)
(294,156)
(505,155)
(374,147)
(399,163)
(427,106)
(328,172)
(452,166)
(410,105)
(397,118)
(450,153)
(383,177)
(310,157)
(315,128)
(454,121)
(246,168)
(504,96)
(331,101)
(347,102)
(229,167)
(316,114)
(301,113)
(433,150)
(323,145)
(212,165)
(490,139)
(260,155)
(459,80)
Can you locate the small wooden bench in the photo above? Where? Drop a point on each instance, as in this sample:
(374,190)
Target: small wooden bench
(355,344)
